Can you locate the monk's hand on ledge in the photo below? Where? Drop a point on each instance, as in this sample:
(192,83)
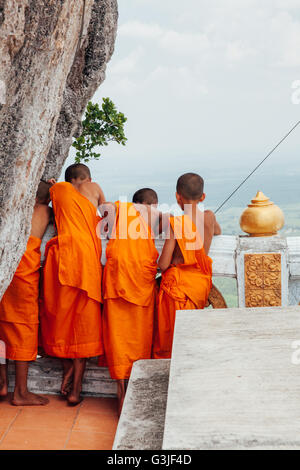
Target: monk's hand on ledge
(107,208)
(51,181)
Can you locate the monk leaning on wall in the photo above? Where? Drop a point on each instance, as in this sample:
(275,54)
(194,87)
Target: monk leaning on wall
(19,308)
(129,286)
(71,293)
(186,266)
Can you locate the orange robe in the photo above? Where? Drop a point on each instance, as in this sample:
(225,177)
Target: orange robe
(183,287)
(19,307)
(129,288)
(71,292)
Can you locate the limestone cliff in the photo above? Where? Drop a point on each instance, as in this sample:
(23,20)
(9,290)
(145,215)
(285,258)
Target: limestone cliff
(53,56)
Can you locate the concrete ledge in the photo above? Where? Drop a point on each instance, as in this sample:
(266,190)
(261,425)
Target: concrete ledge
(142,422)
(45,377)
(234,380)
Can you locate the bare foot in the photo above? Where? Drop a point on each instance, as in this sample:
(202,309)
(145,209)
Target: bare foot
(3,389)
(74,399)
(66,385)
(28,399)
(3,380)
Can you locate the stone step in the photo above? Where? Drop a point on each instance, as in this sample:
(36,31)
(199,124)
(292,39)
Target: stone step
(45,377)
(141,425)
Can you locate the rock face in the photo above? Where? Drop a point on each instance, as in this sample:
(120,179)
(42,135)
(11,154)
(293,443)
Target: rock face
(87,73)
(53,56)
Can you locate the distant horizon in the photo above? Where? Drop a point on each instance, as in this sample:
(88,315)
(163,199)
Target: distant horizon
(206,87)
(275,178)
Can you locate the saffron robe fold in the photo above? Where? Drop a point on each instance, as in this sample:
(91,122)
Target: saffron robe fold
(19,307)
(185,286)
(129,289)
(71,288)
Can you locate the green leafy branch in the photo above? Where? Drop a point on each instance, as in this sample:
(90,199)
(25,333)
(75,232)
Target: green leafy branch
(99,127)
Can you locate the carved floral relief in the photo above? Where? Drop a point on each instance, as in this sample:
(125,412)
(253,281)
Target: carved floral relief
(263,280)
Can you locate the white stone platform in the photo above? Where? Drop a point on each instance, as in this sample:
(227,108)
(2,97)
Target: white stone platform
(232,381)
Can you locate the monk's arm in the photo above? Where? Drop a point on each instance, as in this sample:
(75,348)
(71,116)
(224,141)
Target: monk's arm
(40,220)
(101,196)
(160,221)
(218,230)
(108,212)
(166,256)
(164,222)
(211,228)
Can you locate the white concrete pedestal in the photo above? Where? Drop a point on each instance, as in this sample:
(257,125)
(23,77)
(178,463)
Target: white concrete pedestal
(232,382)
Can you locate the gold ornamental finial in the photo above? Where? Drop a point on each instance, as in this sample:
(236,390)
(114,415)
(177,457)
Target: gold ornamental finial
(262,218)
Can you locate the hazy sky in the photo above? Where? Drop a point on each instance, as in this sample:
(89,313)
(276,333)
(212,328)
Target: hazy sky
(206,86)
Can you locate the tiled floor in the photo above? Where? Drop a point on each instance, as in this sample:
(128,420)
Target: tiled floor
(89,426)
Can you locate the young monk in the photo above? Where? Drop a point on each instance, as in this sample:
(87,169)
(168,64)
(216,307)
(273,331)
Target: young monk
(145,196)
(146,202)
(184,262)
(71,300)
(19,308)
(129,287)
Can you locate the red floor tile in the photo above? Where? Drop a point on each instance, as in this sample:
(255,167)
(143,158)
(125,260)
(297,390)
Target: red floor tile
(7,415)
(100,405)
(34,439)
(91,425)
(90,441)
(6,402)
(44,419)
(2,433)
(96,422)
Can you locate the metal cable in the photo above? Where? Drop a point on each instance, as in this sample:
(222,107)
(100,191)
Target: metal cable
(259,165)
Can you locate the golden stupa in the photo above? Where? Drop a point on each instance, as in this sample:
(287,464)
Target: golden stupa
(262,218)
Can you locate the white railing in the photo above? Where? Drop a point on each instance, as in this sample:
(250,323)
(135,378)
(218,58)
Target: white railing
(226,251)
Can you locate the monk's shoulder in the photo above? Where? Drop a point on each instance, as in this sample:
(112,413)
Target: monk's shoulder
(97,188)
(89,184)
(90,187)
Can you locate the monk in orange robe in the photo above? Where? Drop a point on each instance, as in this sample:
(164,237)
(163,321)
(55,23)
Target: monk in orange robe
(71,293)
(186,266)
(19,308)
(129,287)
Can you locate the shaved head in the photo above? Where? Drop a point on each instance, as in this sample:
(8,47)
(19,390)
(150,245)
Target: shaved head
(190,186)
(77,170)
(145,196)
(43,194)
